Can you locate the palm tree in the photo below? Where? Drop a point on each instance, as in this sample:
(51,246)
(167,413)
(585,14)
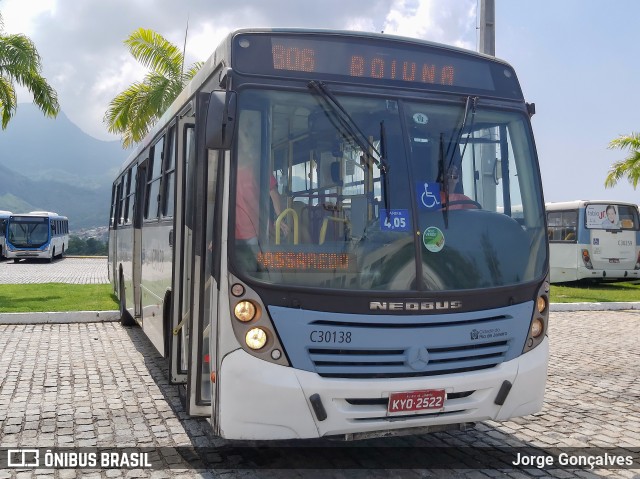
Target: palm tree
(630,166)
(134,111)
(20,63)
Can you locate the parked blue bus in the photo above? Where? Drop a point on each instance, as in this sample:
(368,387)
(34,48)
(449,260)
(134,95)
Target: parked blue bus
(35,235)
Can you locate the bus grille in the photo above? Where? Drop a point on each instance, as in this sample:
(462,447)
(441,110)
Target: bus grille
(392,363)
(366,346)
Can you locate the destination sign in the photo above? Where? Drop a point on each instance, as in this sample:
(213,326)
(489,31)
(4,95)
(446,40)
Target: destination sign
(325,56)
(301,261)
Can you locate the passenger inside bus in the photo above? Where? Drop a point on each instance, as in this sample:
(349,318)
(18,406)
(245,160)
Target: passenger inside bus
(248,208)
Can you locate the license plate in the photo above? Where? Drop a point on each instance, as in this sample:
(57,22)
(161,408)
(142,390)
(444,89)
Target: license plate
(614,260)
(409,401)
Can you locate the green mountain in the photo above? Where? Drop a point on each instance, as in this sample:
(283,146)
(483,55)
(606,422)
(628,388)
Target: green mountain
(52,165)
(85,208)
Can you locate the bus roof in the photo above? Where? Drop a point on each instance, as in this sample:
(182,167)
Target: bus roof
(221,55)
(39,214)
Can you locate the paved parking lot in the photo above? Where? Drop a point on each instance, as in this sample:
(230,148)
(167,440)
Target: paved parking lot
(75,270)
(102,385)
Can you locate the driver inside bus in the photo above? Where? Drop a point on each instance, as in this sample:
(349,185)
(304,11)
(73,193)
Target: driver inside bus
(457,200)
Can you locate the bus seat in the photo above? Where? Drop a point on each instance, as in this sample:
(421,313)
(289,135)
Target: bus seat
(359,217)
(626,223)
(326,224)
(304,220)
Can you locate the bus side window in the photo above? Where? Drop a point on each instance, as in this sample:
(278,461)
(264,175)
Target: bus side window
(168,180)
(153,180)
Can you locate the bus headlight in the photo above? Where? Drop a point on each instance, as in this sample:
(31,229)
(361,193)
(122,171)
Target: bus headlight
(539,318)
(256,338)
(245,311)
(536,328)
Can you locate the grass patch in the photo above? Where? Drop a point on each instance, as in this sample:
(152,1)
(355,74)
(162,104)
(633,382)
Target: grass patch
(585,292)
(55,297)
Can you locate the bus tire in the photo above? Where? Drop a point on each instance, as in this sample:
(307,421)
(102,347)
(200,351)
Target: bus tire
(53,255)
(166,321)
(125,317)
(16,260)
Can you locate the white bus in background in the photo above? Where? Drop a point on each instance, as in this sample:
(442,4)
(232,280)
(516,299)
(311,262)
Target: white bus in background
(594,239)
(39,234)
(4,217)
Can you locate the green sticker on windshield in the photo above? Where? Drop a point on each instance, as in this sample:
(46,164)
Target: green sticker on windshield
(433,239)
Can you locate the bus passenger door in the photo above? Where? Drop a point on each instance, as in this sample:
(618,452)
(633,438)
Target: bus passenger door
(182,238)
(206,259)
(134,294)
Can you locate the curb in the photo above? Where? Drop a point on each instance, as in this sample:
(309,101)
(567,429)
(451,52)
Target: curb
(60,317)
(561,307)
(111,316)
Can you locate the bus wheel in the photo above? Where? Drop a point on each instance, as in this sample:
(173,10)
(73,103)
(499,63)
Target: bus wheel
(53,255)
(125,317)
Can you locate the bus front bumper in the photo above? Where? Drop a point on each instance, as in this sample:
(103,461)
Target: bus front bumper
(629,274)
(260,400)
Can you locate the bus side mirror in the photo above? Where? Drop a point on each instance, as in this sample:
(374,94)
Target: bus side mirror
(221,118)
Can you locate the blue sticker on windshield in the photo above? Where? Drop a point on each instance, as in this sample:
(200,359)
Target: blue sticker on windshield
(396,220)
(428,195)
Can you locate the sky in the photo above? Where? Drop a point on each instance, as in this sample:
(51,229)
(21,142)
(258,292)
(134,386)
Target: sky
(575,59)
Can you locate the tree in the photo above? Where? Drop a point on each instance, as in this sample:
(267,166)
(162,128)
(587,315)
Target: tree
(630,166)
(135,110)
(20,63)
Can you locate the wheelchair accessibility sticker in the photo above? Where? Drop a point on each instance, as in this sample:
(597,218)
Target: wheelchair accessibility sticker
(433,239)
(428,195)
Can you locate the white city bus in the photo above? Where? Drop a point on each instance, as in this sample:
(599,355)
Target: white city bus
(39,234)
(285,235)
(4,217)
(594,239)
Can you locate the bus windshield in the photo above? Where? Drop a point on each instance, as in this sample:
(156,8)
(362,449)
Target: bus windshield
(384,193)
(26,232)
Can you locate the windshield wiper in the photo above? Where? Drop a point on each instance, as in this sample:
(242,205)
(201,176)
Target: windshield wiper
(444,182)
(384,169)
(470,104)
(347,122)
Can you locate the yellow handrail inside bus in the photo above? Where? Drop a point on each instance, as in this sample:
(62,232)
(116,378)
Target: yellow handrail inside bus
(281,216)
(325,224)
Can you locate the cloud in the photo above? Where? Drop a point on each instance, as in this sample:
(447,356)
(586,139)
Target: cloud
(84,58)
